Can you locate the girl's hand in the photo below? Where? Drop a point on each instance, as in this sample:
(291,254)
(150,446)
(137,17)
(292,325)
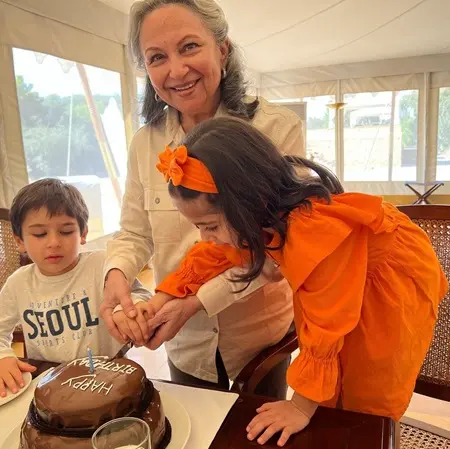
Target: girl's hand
(282,416)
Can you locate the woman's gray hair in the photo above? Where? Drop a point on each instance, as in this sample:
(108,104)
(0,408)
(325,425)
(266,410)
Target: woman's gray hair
(233,86)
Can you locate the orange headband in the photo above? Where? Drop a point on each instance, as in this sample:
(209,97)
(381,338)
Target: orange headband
(185,171)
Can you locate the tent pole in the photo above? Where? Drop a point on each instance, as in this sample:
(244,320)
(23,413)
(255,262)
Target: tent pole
(100,133)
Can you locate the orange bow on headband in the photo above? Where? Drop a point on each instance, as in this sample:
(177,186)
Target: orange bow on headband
(185,171)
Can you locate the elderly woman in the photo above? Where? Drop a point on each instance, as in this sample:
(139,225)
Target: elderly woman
(194,72)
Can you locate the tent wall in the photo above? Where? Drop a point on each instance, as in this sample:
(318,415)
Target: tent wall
(31,30)
(367,69)
(85,31)
(90,16)
(426,74)
(12,160)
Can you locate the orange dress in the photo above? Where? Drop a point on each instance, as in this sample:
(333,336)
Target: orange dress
(367,285)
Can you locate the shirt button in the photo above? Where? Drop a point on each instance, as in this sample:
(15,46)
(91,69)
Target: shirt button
(157,200)
(215,330)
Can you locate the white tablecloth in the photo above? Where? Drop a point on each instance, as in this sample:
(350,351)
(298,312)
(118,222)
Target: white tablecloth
(13,413)
(207,410)
(199,404)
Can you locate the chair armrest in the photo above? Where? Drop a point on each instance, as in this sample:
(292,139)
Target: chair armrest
(18,336)
(432,389)
(255,371)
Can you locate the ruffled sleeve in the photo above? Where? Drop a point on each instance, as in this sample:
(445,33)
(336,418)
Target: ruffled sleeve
(315,233)
(203,262)
(327,307)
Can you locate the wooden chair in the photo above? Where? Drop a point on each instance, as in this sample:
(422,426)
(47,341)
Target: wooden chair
(9,255)
(256,369)
(434,378)
(10,260)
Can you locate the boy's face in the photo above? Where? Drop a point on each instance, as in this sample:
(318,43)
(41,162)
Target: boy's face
(52,243)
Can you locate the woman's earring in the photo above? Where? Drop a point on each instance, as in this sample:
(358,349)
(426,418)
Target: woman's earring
(157,97)
(224,73)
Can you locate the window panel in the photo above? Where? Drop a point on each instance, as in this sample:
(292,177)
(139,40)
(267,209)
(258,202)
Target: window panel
(380,136)
(405,135)
(140,85)
(320,131)
(73,129)
(443,138)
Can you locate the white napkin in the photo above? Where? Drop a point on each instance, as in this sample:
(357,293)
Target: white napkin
(198,403)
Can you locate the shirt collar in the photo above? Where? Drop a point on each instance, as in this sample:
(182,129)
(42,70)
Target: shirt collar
(174,131)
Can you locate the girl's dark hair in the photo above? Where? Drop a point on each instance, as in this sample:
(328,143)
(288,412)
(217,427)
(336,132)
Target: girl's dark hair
(258,186)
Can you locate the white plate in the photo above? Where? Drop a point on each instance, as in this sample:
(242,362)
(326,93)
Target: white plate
(175,412)
(11,396)
(179,420)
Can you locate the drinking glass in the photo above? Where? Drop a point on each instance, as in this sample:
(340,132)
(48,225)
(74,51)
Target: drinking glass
(122,433)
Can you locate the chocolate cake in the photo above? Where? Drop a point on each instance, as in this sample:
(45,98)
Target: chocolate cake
(70,403)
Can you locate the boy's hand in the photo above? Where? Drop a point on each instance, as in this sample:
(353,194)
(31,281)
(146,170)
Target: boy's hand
(11,374)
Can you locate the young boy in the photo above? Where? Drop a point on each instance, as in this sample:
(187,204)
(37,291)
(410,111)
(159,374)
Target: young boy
(56,299)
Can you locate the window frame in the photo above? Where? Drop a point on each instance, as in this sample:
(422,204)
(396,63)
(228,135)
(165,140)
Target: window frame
(427,85)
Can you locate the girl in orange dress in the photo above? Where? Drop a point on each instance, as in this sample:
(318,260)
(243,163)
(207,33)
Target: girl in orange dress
(366,281)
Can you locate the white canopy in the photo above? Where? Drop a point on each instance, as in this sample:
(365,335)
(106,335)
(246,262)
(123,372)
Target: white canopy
(290,34)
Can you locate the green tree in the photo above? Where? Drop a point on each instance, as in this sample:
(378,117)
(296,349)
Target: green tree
(347,118)
(45,130)
(444,121)
(30,102)
(319,122)
(408,118)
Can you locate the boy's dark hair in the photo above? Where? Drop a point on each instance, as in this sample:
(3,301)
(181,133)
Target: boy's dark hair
(57,196)
(258,186)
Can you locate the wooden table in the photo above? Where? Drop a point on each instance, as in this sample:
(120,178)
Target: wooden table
(329,428)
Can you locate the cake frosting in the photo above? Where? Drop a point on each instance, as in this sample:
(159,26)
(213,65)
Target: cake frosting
(71,402)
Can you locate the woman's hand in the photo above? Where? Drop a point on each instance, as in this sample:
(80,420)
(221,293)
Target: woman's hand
(287,417)
(170,319)
(117,291)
